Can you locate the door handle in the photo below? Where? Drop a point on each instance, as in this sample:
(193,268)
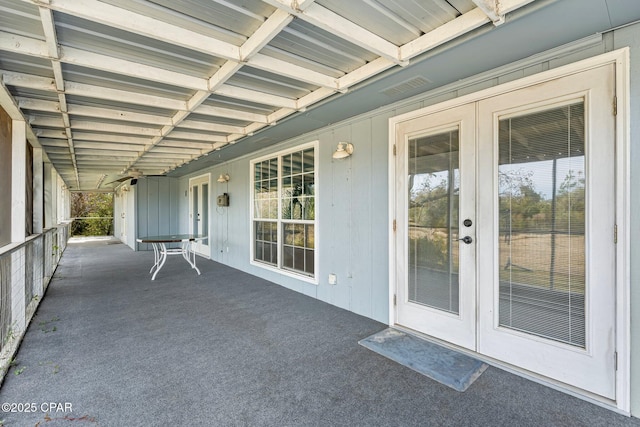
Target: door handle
(466,239)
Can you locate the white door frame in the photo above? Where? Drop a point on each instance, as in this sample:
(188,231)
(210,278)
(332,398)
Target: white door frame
(199,247)
(620,58)
(458,328)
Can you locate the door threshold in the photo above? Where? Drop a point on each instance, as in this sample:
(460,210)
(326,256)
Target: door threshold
(531,376)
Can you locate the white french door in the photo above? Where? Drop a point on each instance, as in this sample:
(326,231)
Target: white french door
(123,216)
(436,195)
(505,211)
(199,213)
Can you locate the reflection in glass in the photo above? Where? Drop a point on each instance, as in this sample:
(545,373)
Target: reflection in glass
(194,210)
(266,242)
(205,213)
(293,207)
(298,247)
(542,223)
(434,184)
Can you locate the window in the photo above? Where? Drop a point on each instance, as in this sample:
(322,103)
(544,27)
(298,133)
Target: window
(283,218)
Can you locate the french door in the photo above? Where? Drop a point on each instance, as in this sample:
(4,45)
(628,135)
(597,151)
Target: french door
(199,213)
(437,197)
(505,211)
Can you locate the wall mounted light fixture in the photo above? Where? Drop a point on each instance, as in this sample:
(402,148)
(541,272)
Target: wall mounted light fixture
(224,177)
(344,149)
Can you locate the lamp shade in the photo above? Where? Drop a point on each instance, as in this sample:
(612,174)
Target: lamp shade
(223,178)
(344,149)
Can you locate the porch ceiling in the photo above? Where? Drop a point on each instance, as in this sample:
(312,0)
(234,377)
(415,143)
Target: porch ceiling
(118,88)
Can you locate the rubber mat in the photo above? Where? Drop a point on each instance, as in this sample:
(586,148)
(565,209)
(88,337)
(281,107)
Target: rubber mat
(449,367)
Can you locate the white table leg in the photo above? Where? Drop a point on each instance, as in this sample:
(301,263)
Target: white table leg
(156,257)
(189,255)
(163,258)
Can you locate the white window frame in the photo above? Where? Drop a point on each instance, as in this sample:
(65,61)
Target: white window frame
(278,268)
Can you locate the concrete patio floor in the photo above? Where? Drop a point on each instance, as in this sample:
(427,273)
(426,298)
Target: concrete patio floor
(230,349)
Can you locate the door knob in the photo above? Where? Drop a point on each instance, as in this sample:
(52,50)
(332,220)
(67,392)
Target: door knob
(466,239)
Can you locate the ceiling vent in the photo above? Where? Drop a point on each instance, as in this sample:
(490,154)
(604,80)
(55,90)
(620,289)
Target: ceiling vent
(406,86)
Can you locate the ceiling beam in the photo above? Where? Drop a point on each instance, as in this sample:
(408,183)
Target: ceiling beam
(98,92)
(496,10)
(202,145)
(98,137)
(125,96)
(23,45)
(114,128)
(212,127)
(446,32)
(264,34)
(10,78)
(229,113)
(287,69)
(148,26)
(335,24)
(51,40)
(81,145)
(194,136)
(258,97)
(491,8)
(124,67)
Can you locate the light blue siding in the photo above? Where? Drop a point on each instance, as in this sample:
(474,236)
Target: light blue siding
(352,208)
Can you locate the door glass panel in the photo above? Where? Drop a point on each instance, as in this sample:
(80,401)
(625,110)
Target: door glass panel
(434,184)
(541,176)
(205,213)
(194,210)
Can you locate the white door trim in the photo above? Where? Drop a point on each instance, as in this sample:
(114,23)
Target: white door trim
(620,58)
(198,180)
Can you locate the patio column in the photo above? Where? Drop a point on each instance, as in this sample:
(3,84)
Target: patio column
(38,190)
(18,180)
(18,223)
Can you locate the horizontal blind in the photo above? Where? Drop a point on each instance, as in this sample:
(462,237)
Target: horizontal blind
(542,223)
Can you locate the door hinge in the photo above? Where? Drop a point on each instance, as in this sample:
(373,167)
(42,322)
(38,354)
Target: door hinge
(394,149)
(615,233)
(395,225)
(615,360)
(395,299)
(615,105)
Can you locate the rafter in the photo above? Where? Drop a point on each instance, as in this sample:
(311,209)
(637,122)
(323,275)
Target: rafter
(123,19)
(335,24)
(452,29)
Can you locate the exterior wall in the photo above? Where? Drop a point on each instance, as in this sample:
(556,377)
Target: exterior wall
(630,36)
(118,201)
(124,220)
(352,203)
(156,209)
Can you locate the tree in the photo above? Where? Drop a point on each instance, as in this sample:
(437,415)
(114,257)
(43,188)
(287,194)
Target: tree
(92,205)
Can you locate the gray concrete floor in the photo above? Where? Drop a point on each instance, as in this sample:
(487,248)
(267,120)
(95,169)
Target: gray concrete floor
(230,349)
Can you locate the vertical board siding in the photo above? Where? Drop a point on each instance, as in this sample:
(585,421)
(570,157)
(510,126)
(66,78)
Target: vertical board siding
(380,219)
(353,203)
(363,238)
(157,208)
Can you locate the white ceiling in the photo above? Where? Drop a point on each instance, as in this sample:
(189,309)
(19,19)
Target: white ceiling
(112,88)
